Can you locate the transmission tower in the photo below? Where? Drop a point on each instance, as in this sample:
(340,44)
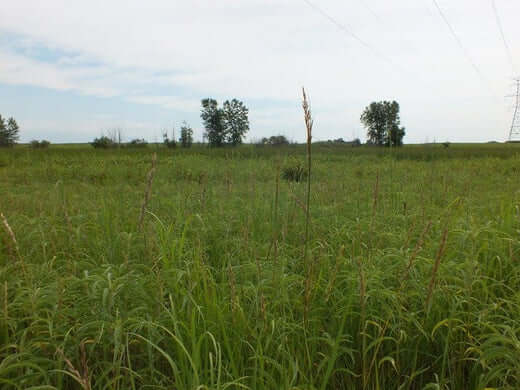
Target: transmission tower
(514,133)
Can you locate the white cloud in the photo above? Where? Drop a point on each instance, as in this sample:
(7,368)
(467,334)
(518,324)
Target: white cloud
(171,102)
(21,70)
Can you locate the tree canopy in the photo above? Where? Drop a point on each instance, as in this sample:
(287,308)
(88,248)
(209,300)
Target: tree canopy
(8,132)
(236,121)
(227,125)
(381,119)
(275,140)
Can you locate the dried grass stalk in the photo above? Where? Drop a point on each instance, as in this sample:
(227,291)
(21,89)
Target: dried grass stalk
(147,192)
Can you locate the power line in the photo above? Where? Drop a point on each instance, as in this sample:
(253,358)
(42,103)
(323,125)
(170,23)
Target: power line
(385,22)
(348,30)
(371,11)
(459,42)
(504,40)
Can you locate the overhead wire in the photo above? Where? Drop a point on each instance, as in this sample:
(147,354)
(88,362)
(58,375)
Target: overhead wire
(459,42)
(386,22)
(371,11)
(349,31)
(502,34)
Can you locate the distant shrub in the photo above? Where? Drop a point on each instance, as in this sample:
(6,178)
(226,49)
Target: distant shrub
(294,171)
(446,144)
(138,143)
(341,141)
(169,143)
(274,140)
(103,142)
(35,144)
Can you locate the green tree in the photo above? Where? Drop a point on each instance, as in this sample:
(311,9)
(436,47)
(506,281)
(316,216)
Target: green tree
(275,140)
(8,132)
(3,132)
(381,119)
(213,120)
(186,138)
(236,121)
(43,144)
(103,142)
(226,125)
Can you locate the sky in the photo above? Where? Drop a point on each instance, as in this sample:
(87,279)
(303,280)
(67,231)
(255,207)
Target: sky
(73,70)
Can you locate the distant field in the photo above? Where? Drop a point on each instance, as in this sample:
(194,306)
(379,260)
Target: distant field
(412,279)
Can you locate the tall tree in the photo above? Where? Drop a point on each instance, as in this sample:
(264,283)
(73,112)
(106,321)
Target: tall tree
(186,138)
(8,131)
(3,132)
(213,119)
(381,119)
(236,121)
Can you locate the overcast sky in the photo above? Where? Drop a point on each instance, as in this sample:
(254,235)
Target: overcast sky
(71,70)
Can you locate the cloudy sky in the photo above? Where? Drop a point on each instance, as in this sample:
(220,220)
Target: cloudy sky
(71,70)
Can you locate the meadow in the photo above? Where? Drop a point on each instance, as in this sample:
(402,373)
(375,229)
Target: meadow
(198,275)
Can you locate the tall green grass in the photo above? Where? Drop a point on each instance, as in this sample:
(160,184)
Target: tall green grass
(414,283)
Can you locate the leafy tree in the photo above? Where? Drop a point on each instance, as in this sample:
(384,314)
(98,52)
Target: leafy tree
(43,144)
(3,132)
(8,132)
(186,138)
(373,119)
(275,140)
(226,125)
(213,119)
(138,143)
(103,142)
(381,119)
(236,121)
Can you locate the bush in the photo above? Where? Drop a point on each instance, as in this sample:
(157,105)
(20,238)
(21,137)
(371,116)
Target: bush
(294,171)
(103,142)
(275,140)
(35,144)
(169,143)
(138,143)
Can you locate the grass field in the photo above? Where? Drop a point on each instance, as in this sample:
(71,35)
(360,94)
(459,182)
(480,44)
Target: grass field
(411,279)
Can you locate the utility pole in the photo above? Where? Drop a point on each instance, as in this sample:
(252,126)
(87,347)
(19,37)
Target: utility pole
(514,133)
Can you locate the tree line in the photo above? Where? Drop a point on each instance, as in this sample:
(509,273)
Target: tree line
(228,125)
